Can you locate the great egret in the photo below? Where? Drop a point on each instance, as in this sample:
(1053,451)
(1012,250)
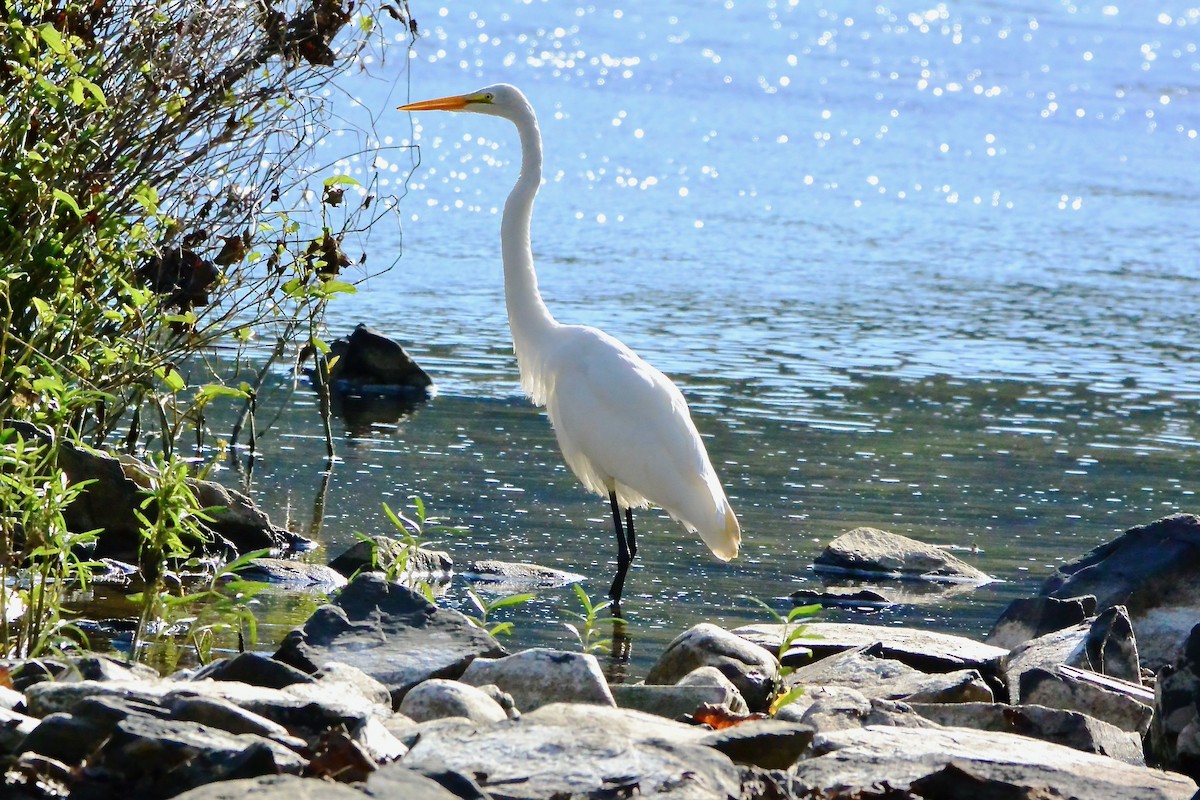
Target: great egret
(623,427)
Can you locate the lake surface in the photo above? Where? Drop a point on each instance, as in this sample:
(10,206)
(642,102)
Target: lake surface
(932,268)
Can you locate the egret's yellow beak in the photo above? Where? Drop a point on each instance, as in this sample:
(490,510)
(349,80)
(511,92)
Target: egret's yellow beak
(456,103)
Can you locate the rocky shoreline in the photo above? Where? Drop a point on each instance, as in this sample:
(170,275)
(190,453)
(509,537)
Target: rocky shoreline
(382,694)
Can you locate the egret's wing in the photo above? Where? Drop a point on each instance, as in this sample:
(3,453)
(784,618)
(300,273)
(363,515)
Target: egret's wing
(623,424)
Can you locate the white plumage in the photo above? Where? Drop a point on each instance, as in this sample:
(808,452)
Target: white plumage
(623,427)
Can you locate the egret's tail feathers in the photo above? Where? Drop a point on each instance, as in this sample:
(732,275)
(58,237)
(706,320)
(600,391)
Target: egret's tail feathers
(724,542)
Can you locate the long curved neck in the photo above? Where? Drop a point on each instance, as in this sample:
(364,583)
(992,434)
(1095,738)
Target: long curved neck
(528,317)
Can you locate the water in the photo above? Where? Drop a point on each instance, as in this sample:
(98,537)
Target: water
(925,267)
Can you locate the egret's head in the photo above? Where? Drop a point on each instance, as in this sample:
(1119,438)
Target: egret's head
(500,100)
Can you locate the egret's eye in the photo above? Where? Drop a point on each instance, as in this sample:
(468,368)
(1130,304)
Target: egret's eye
(489,97)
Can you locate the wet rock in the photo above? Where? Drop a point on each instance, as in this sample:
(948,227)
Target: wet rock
(765,743)
(865,670)
(1104,644)
(437,698)
(1044,688)
(611,752)
(751,668)
(381,554)
(389,632)
(844,597)
(1069,728)
(1153,571)
(281,787)
(924,650)
(540,676)
(860,760)
(869,551)
(255,669)
(293,574)
(1174,740)
(1033,617)
(505,577)
(368,360)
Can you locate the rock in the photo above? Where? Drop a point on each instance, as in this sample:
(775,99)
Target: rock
(282,787)
(1151,570)
(861,760)
(1069,728)
(10,698)
(1043,688)
(867,671)
(1032,617)
(837,708)
(293,574)
(65,738)
(844,597)
(380,553)
(676,701)
(765,743)
(14,727)
(504,577)
(1105,642)
(1174,739)
(750,667)
(90,667)
(399,781)
(369,361)
(711,676)
(540,676)
(869,551)
(347,680)
(255,669)
(437,698)
(389,632)
(609,753)
(112,497)
(924,650)
(216,712)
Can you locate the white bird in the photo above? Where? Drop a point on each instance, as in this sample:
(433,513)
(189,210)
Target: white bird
(623,427)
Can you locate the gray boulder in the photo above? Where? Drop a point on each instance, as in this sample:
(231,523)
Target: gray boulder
(540,676)
(1154,571)
(294,574)
(753,669)
(1104,644)
(255,669)
(1030,617)
(1174,740)
(283,787)
(865,670)
(838,708)
(382,552)
(676,701)
(1069,728)
(1060,690)
(437,698)
(711,676)
(957,762)
(763,743)
(565,750)
(368,360)
(389,632)
(870,551)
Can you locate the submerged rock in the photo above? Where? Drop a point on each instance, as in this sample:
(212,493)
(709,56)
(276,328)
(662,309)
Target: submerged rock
(383,552)
(369,361)
(870,551)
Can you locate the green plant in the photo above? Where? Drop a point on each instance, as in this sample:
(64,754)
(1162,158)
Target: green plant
(39,556)
(588,629)
(789,632)
(171,528)
(486,608)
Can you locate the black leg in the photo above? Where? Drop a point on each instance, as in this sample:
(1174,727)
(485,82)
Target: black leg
(623,554)
(629,533)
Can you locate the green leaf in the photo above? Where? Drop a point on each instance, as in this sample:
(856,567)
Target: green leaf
(44,312)
(171,377)
(334,286)
(50,35)
(341,180)
(782,700)
(67,201)
(511,600)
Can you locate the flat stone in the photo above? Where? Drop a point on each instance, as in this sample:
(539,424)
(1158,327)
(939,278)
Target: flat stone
(540,676)
(1044,688)
(391,633)
(765,743)
(294,574)
(870,551)
(400,782)
(927,651)
(676,701)
(876,677)
(1104,644)
(858,760)
(1068,728)
(281,787)
(505,577)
